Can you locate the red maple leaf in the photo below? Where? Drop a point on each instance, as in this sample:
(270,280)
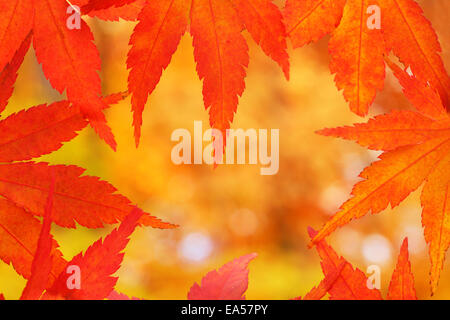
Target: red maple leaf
(228,283)
(97,265)
(42,261)
(69,58)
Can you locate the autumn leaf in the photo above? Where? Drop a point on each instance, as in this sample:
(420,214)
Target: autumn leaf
(93,5)
(8,75)
(42,129)
(308,21)
(75,50)
(154,40)
(86,200)
(114,295)
(32,133)
(228,283)
(19,235)
(344,282)
(129,12)
(416,149)
(97,265)
(362,32)
(435,216)
(402,281)
(220,50)
(264,22)
(413,40)
(16,22)
(357,57)
(69,58)
(42,261)
(215,25)
(325,285)
(351,283)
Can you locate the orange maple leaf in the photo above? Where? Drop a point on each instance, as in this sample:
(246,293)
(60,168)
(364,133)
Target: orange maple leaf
(351,284)
(401,286)
(347,283)
(220,50)
(416,149)
(357,50)
(325,285)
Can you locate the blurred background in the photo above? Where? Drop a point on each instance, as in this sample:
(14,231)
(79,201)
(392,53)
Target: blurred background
(232,210)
